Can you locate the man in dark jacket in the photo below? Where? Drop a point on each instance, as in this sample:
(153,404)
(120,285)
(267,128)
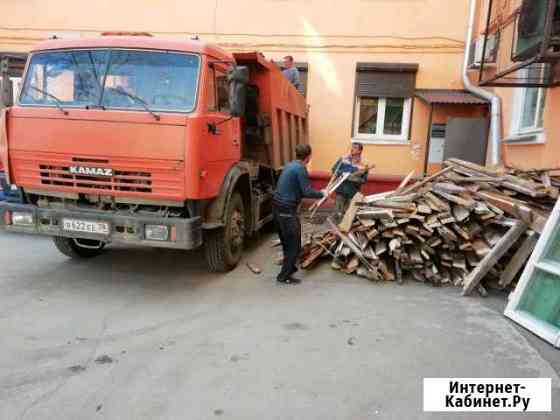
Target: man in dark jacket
(352,164)
(293,185)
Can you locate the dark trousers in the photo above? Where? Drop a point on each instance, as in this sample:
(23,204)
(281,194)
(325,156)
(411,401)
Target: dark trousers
(341,205)
(289,230)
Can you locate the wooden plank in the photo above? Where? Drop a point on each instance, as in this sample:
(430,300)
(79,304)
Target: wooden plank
(480,247)
(380,248)
(448,187)
(333,186)
(350,215)
(460,213)
(492,236)
(505,243)
(516,209)
(423,208)
(394,205)
(374,214)
(468,203)
(447,234)
(366,222)
(462,232)
(352,266)
(349,243)
(369,253)
(519,258)
(474,167)
(403,184)
(436,202)
(416,186)
(386,272)
(472,259)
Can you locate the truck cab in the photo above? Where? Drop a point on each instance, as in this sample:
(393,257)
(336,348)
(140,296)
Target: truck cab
(139,140)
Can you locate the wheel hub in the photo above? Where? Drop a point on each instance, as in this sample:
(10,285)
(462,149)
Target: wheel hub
(237,228)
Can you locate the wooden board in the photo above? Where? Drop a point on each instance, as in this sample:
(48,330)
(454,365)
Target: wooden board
(519,259)
(350,214)
(505,243)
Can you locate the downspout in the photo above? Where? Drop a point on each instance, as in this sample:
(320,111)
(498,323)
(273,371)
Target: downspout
(495,101)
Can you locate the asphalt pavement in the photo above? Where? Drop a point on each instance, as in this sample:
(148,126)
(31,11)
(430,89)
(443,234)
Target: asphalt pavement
(149,334)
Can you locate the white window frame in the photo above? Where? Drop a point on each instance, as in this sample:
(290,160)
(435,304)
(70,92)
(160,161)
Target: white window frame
(382,138)
(526,134)
(545,330)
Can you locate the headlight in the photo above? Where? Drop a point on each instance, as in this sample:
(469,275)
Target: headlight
(21,218)
(157,232)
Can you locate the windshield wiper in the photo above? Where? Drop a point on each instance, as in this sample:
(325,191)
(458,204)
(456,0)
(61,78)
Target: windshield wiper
(139,100)
(58,102)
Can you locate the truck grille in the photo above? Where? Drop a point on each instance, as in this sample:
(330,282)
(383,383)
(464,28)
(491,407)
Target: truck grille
(130,181)
(160,179)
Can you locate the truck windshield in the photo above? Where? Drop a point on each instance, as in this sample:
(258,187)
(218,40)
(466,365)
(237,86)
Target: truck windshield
(164,81)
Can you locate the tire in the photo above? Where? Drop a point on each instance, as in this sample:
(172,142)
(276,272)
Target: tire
(224,246)
(71,247)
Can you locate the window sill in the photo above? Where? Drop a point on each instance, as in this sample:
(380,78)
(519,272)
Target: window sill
(381,141)
(536,137)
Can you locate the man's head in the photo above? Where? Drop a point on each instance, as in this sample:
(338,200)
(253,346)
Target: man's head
(356,150)
(303,153)
(288,61)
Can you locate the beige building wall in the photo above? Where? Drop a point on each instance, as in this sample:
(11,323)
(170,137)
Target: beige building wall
(330,35)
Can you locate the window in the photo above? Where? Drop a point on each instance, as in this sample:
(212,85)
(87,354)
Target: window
(72,78)
(382,118)
(165,81)
(112,78)
(528,112)
(383,101)
(535,302)
(211,90)
(223,91)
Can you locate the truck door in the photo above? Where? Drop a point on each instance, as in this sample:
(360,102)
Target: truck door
(223,145)
(226,141)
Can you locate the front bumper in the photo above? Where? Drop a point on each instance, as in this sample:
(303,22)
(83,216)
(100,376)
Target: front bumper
(186,233)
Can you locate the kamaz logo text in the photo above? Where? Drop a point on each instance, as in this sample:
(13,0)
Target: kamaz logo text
(84,170)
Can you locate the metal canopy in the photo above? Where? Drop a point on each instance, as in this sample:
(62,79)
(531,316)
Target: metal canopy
(449,97)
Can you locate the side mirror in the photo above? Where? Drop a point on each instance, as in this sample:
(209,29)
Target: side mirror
(238,77)
(7,93)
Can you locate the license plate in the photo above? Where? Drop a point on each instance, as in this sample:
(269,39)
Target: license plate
(86,226)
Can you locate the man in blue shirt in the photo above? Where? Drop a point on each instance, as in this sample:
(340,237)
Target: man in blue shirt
(292,73)
(352,164)
(293,185)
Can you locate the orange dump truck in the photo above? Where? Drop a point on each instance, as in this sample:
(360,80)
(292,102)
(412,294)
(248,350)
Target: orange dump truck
(146,141)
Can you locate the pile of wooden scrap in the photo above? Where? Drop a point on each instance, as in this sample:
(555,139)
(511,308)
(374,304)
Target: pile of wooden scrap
(465,224)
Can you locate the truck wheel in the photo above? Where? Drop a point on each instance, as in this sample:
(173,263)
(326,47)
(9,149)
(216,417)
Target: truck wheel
(224,246)
(78,248)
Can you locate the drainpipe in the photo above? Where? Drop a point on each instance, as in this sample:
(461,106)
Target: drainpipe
(495,102)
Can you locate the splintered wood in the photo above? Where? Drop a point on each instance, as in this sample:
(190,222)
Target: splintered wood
(468,226)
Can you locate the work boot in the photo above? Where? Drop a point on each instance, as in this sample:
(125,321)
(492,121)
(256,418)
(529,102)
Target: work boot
(289,280)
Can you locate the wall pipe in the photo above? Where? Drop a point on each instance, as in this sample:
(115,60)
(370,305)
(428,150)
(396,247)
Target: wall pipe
(495,102)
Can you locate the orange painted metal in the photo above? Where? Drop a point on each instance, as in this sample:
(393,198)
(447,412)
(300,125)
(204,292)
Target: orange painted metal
(279,99)
(175,158)
(4,160)
(135,42)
